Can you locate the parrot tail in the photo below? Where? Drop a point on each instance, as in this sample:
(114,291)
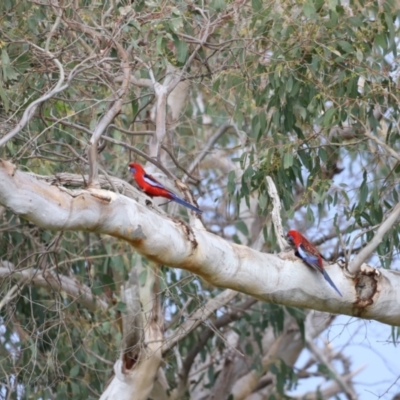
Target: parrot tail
(329,280)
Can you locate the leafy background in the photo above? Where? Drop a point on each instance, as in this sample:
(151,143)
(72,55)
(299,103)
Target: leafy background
(306,92)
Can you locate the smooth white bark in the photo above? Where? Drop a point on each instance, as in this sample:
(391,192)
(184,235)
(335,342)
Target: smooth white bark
(281,279)
(137,383)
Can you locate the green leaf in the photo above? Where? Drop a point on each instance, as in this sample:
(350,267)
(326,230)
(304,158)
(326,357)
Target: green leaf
(8,71)
(395,334)
(287,160)
(74,371)
(242,227)
(332,4)
(363,195)
(256,4)
(76,390)
(346,46)
(231,182)
(309,10)
(143,277)
(255,127)
(262,201)
(160,45)
(318,5)
(299,315)
(314,63)
(390,25)
(6,5)
(333,20)
(323,155)
(273,369)
(328,116)
(182,51)
(134,107)
(4,98)
(355,21)
(121,306)
(380,40)
(218,5)
(176,20)
(310,215)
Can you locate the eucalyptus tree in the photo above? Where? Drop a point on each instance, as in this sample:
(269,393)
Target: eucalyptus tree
(270,116)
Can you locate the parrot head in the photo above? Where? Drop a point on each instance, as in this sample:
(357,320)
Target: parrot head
(290,238)
(135,167)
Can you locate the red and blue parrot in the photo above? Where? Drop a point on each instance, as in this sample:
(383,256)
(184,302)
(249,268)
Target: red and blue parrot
(153,188)
(309,254)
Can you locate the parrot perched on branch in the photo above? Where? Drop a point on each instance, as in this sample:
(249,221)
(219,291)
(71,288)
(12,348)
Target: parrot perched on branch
(309,254)
(153,188)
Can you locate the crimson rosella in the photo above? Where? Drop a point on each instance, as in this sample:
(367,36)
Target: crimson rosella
(153,188)
(309,254)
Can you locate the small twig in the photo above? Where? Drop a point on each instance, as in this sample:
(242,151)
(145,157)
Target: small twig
(179,165)
(109,179)
(9,296)
(211,329)
(53,29)
(91,352)
(198,317)
(133,133)
(139,82)
(78,291)
(382,144)
(125,145)
(350,251)
(210,143)
(177,316)
(376,240)
(142,154)
(323,360)
(30,110)
(329,391)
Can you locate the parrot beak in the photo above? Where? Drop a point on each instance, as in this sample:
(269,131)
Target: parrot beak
(133,170)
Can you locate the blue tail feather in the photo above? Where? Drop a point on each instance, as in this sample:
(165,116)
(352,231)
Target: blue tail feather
(329,280)
(185,203)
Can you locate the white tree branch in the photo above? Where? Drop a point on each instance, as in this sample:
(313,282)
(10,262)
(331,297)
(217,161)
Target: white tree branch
(198,317)
(30,110)
(138,382)
(276,213)
(46,279)
(281,279)
(330,390)
(379,142)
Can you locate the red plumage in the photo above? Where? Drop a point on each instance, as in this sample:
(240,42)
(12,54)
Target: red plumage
(150,186)
(153,188)
(299,240)
(309,254)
